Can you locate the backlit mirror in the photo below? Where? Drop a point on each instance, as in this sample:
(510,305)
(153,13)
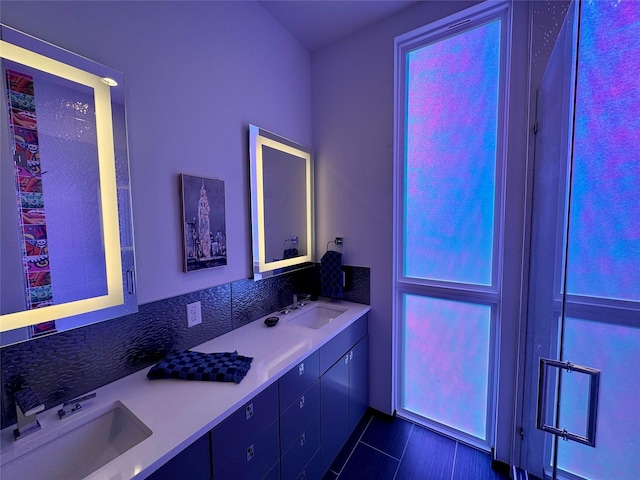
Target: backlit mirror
(65,219)
(281,203)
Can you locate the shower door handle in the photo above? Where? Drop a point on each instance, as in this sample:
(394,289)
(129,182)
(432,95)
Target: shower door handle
(594,390)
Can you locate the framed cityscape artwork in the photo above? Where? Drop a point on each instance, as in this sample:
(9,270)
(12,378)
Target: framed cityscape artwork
(204,232)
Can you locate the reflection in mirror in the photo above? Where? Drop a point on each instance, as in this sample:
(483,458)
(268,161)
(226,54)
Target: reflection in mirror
(67,246)
(281,203)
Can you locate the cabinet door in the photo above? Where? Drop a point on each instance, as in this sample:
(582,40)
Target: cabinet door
(334,410)
(358,382)
(193,463)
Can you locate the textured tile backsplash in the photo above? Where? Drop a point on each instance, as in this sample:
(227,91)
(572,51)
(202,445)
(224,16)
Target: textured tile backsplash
(65,365)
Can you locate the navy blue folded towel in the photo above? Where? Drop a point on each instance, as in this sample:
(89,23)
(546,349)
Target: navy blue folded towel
(189,365)
(331,275)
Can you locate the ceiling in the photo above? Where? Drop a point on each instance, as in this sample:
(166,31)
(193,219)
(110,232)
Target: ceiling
(316,23)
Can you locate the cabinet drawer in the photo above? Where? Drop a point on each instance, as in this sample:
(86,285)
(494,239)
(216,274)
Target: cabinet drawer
(245,424)
(301,451)
(312,470)
(297,380)
(256,458)
(338,346)
(299,415)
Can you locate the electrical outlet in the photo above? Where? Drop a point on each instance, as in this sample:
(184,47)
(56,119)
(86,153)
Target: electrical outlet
(194,314)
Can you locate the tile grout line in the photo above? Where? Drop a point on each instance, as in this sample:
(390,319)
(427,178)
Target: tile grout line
(380,451)
(413,425)
(455,455)
(354,447)
(403,451)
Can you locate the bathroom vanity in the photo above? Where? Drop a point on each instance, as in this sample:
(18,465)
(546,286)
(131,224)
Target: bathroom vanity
(304,394)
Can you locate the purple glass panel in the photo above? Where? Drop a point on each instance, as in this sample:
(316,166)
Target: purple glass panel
(615,350)
(604,235)
(445,364)
(450,164)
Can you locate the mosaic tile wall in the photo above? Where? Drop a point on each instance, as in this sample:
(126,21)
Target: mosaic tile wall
(66,365)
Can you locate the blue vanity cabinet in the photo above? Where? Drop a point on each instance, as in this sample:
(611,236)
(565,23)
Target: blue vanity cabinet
(293,429)
(344,388)
(194,463)
(299,417)
(246,444)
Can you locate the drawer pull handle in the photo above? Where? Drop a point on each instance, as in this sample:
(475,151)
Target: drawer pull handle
(351,355)
(302,401)
(346,359)
(301,369)
(303,439)
(251,452)
(249,411)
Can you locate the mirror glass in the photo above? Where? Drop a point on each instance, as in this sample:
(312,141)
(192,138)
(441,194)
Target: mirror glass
(281,203)
(65,218)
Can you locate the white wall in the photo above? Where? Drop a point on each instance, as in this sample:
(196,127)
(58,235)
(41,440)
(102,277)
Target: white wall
(196,74)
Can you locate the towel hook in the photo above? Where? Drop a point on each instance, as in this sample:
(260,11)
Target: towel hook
(338,242)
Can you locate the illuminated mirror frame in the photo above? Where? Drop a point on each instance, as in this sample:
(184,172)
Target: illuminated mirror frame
(108,192)
(259,138)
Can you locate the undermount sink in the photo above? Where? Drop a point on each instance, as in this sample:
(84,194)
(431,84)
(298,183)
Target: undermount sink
(315,316)
(78,448)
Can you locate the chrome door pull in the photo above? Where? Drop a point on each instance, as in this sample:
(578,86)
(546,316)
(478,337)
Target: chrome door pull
(594,391)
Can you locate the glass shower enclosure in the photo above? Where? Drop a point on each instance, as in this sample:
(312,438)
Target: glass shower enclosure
(580,417)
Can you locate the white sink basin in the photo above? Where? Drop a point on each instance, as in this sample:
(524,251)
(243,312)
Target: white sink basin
(78,447)
(315,316)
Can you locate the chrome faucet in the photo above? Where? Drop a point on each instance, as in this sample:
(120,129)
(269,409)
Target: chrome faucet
(28,405)
(74,406)
(300,299)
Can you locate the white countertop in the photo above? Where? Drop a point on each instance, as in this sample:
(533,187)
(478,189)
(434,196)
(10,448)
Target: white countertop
(178,412)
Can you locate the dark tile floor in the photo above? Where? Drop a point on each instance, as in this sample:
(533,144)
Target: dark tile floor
(384,447)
